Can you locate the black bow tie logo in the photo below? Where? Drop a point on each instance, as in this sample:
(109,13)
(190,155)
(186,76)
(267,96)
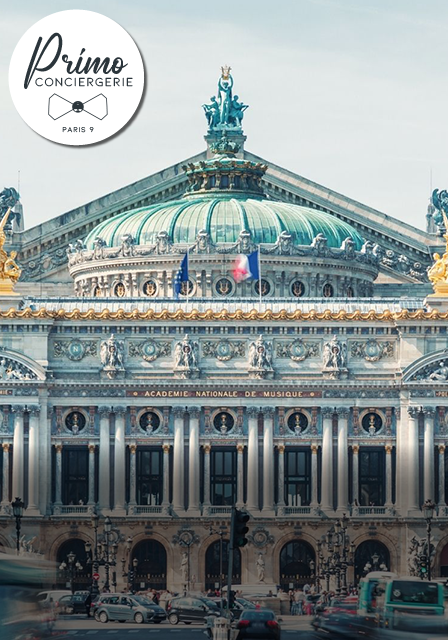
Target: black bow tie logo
(96,107)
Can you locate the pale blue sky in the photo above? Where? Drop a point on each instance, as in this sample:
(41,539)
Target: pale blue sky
(349,93)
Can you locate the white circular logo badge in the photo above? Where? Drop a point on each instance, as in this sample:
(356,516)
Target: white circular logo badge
(76,77)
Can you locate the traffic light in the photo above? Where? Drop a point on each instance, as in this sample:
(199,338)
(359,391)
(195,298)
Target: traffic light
(232,595)
(240,529)
(423,564)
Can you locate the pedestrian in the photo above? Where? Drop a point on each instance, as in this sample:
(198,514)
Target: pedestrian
(88,604)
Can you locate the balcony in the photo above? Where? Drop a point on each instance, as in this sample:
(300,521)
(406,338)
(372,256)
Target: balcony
(137,510)
(219,510)
(73,510)
(295,511)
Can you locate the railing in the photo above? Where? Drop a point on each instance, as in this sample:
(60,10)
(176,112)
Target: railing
(219,510)
(138,509)
(63,509)
(367,511)
(289,511)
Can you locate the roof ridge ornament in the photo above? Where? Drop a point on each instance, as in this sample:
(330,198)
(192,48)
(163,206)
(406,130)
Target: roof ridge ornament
(9,270)
(225,111)
(438,273)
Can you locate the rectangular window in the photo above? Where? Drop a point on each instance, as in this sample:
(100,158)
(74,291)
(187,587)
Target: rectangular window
(223,476)
(371,477)
(298,477)
(149,476)
(75,475)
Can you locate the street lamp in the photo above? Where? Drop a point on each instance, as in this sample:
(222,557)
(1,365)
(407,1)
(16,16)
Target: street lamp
(340,554)
(428,513)
(72,567)
(103,553)
(17,511)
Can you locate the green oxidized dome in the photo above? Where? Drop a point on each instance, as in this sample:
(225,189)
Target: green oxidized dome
(224,218)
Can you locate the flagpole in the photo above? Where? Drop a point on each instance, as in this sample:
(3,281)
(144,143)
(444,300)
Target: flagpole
(259,277)
(188,274)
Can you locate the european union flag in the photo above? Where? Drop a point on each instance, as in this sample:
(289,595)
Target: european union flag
(181,276)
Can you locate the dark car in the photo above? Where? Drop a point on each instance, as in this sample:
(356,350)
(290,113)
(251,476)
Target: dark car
(79,602)
(258,624)
(188,609)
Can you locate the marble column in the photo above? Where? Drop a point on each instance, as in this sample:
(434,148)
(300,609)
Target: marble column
(252,460)
(388,448)
(58,474)
(240,472)
(413,471)
(268,459)
(178,461)
(132,474)
(314,479)
(5,476)
(442,496)
(104,459)
(45,458)
(91,499)
(327,461)
(206,504)
(343,414)
(193,460)
(18,454)
(355,475)
(166,478)
(281,480)
(428,454)
(120,459)
(33,461)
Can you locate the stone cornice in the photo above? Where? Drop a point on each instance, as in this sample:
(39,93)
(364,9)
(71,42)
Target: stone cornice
(225,315)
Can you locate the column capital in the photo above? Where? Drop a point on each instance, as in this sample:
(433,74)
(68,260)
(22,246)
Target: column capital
(413,412)
(34,409)
(429,412)
(207,448)
(442,448)
(194,412)
(327,412)
(281,449)
(355,448)
(253,412)
(240,447)
(58,447)
(178,411)
(120,411)
(268,411)
(133,448)
(166,447)
(18,409)
(343,412)
(388,448)
(104,411)
(92,447)
(314,449)
(6,446)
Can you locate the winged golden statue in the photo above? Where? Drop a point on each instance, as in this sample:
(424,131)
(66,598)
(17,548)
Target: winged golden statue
(9,270)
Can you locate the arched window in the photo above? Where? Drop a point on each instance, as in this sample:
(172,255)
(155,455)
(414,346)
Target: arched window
(297,564)
(150,571)
(212,565)
(371,555)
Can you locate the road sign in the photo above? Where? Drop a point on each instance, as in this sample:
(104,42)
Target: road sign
(96,576)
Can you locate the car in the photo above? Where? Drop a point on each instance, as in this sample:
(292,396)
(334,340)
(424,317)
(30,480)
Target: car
(127,608)
(47,599)
(337,618)
(79,602)
(190,609)
(259,624)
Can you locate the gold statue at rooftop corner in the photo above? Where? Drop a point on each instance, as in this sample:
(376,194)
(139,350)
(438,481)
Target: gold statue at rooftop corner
(9,270)
(438,273)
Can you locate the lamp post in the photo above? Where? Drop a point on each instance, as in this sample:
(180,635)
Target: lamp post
(72,567)
(428,513)
(103,553)
(340,555)
(17,511)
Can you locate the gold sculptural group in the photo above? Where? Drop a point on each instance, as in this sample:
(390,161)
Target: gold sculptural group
(9,270)
(438,273)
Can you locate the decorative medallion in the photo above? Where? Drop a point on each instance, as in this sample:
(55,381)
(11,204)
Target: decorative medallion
(372,423)
(75,422)
(327,290)
(372,350)
(297,289)
(150,288)
(260,537)
(224,287)
(149,422)
(297,350)
(265,287)
(149,350)
(120,290)
(223,422)
(298,422)
(223,350)
(75,349)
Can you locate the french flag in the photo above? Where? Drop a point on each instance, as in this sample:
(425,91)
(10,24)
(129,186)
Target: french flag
(247,267)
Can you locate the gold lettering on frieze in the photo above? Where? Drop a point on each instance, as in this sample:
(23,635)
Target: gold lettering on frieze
(223,393)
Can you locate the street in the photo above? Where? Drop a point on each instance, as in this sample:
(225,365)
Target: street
(292,627)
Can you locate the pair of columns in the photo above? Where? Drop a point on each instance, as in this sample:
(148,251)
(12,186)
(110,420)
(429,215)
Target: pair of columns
(18,460)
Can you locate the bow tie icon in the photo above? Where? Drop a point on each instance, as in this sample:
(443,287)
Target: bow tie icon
(58,106)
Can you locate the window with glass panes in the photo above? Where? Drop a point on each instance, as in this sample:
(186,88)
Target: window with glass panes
(149,476)
(297,477)
(371,476)
(223,477)
(75,475)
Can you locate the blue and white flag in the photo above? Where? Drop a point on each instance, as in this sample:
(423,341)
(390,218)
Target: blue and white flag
(247,267)
(181,276)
